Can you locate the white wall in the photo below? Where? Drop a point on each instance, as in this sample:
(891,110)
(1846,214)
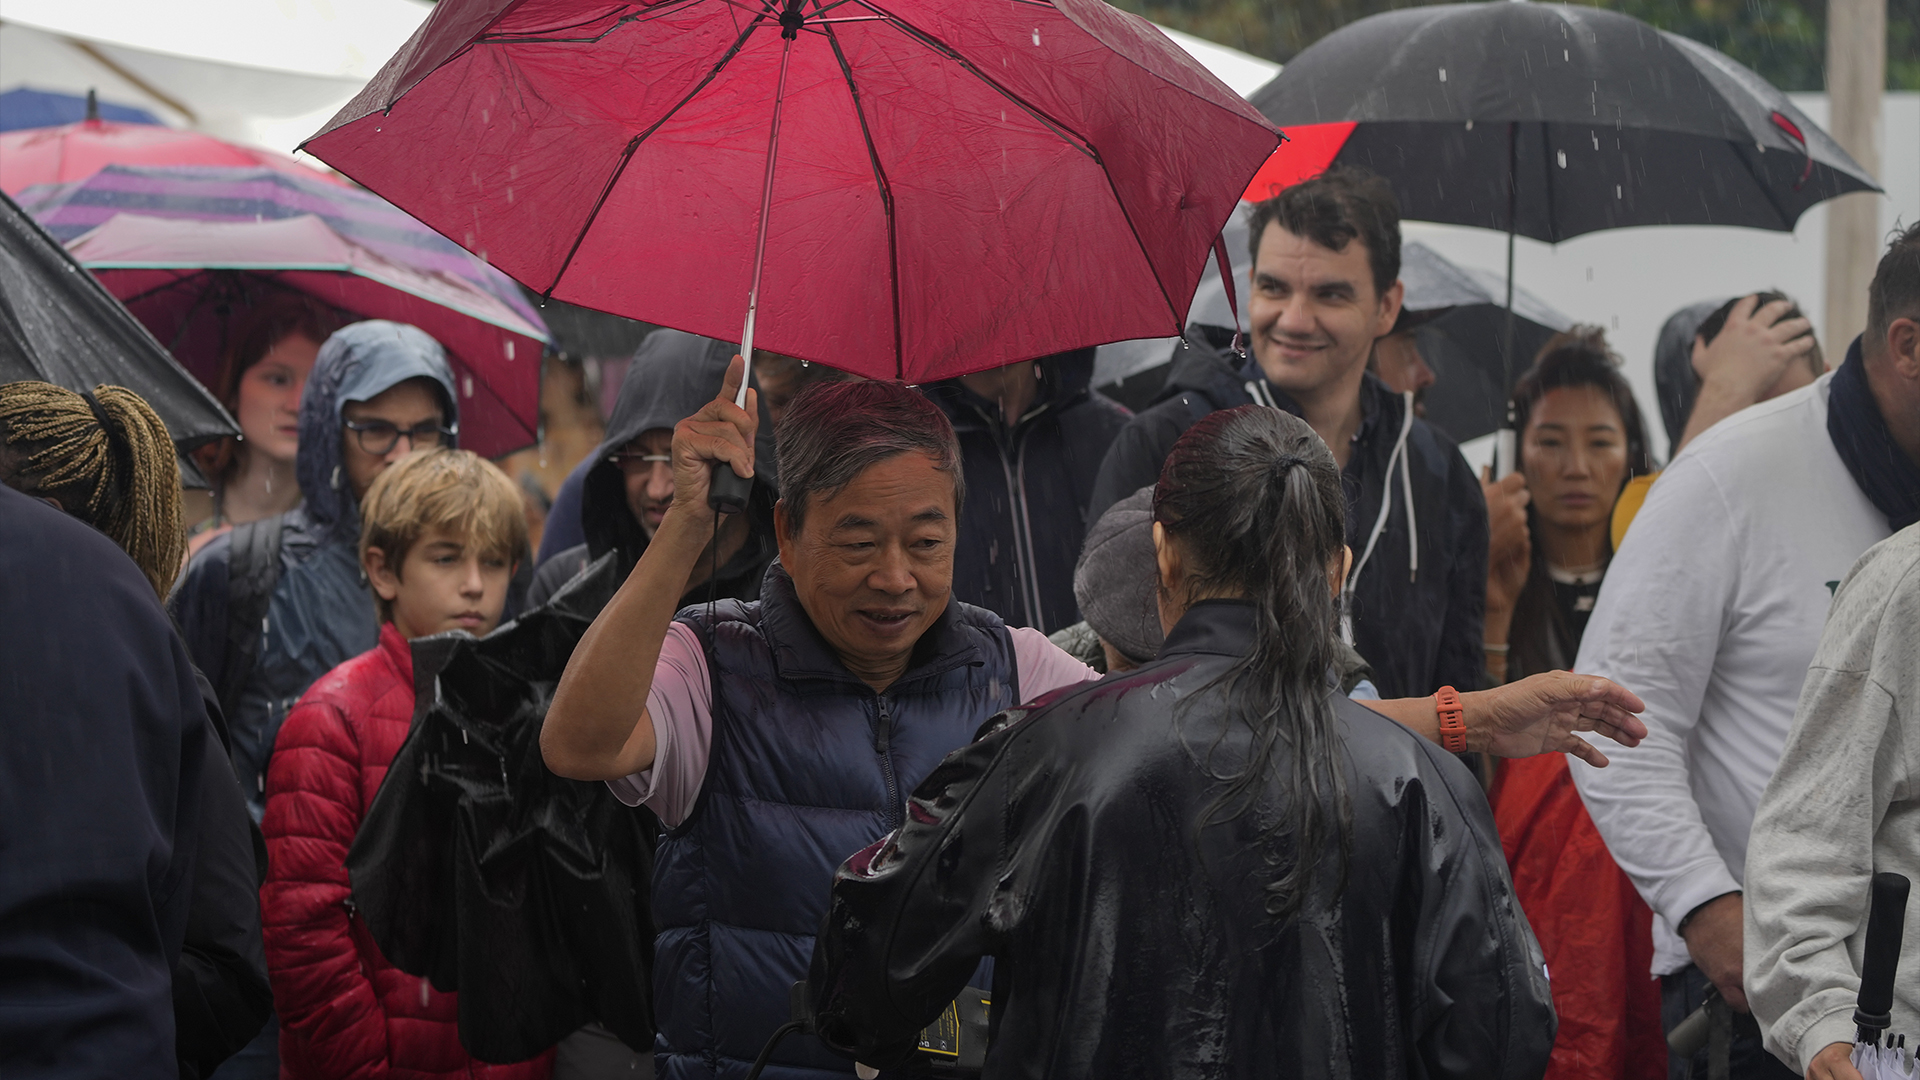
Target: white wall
(1629,280)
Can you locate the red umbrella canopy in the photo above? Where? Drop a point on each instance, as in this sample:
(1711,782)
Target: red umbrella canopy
(76,151)
(190,282)
(959,184)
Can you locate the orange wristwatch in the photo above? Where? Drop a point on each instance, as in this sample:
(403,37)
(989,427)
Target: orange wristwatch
(1453,719)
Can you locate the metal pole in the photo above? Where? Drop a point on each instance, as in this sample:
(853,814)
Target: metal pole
(766,211)
(1513,224)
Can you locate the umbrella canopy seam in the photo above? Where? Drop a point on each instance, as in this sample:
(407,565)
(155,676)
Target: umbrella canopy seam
(886,197)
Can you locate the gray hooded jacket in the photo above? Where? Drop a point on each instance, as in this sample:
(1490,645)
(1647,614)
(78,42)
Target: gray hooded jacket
(320,613)
(673,375)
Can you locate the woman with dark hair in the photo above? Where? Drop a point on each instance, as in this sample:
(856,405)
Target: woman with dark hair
(1211,865)
(1581,440)
(261,376)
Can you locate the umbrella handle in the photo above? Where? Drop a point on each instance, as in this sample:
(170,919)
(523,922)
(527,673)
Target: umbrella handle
(1886,920)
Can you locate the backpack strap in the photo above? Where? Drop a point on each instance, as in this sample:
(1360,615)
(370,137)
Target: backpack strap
(253,569)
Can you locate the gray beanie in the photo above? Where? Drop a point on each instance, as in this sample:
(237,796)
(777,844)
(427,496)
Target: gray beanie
(1117,581)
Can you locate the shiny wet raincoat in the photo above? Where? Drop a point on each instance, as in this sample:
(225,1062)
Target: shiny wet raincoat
(1130,937)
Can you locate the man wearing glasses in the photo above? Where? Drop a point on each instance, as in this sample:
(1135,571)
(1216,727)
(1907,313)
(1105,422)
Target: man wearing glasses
(275,604)
(629,483)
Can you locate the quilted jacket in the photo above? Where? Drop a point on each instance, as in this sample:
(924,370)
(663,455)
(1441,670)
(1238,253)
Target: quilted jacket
(345,1013)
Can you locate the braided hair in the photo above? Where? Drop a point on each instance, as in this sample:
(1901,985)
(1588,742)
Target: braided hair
(106,458)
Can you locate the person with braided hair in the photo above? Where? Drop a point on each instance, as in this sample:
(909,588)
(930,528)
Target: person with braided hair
(104,457)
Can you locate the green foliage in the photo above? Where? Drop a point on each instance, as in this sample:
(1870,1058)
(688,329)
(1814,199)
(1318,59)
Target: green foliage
(1784,40)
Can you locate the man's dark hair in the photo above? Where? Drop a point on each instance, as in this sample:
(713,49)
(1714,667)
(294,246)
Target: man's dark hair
(1895,291)
(1334,209)
(1710,327)
(834,431)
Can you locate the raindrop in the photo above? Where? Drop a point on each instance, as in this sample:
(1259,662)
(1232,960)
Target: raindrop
(1443,74)
(1616,191)
(1595,138)
(1760,147)
(1562,155)
(1036,36)
(509,194)
(486,117)
(1589,273)
(1566,55)
(1469,125)
(509,348)
(466,386)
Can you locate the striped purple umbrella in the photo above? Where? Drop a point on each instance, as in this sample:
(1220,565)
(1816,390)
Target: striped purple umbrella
(208,193)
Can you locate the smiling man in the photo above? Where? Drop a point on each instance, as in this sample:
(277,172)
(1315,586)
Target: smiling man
(1325,287)
(777,736)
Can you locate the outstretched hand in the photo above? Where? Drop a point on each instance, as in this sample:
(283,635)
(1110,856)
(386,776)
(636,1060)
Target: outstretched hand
(1545,713)
(720,432)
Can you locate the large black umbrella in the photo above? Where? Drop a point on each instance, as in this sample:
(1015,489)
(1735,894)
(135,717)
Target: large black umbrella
(58,325)
(1552,120)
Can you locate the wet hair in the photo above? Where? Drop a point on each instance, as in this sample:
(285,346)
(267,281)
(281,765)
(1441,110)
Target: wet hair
(274,318)
(1252,497)
(834,431)
(107,459)
(456,491)
(1711,326)
(1580,357)
(1895,290)
(1333,209)
(1575,358)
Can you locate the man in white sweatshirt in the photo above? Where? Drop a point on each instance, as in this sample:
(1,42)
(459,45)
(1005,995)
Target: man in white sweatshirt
(1844,805)
(1711,612)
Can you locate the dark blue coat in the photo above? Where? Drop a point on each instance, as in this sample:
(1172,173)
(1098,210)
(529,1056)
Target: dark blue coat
(808,766)
(101,788)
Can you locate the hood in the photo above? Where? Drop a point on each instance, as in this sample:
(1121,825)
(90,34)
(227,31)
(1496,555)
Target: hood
(1064,379)
(672,376)
(1674,380)
(1205,362)
(357,364)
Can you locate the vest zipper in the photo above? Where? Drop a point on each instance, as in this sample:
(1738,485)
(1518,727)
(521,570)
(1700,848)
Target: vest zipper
(882,742)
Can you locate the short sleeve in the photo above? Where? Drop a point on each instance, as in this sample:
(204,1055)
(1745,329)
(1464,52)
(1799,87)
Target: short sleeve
(1043,666)
(681,706)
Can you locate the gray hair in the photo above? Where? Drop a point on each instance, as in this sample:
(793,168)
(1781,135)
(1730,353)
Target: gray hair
(832,432)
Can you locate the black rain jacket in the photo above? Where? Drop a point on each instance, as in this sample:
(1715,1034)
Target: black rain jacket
(1420,627)
(1073,844)
(1027,487)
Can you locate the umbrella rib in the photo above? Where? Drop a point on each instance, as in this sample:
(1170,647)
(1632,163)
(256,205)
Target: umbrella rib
(886,200)
(633,144)
(1067,135)
(648,16)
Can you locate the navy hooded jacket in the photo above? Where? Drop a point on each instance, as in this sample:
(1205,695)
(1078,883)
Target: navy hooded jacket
(321,613)
(101,793)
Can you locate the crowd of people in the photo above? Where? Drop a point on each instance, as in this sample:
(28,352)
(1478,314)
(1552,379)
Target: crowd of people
(1236,737)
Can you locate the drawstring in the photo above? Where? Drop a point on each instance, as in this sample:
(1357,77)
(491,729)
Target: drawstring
(1261,395)
(1401,458)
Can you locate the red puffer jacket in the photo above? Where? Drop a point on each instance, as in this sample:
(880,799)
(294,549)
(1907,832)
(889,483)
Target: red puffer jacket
(344,1011)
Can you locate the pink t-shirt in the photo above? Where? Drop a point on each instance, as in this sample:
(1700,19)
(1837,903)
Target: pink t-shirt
(681,705)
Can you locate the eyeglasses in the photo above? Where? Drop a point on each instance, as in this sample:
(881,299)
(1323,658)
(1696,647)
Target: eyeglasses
(634,460)
(378,437)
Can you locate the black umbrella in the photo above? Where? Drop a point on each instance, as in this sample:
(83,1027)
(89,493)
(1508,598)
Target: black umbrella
(58,325)
(1551,121)
(482,872)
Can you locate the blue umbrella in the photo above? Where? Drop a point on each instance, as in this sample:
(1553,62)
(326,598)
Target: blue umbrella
(25,107)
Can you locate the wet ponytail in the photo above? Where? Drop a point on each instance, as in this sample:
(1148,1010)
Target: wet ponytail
(1252,497)
(105,456)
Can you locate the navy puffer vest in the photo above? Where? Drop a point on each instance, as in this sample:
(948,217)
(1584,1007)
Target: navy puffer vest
(808,766)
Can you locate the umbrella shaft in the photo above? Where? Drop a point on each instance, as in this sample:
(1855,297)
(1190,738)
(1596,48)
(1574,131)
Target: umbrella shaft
(766,210)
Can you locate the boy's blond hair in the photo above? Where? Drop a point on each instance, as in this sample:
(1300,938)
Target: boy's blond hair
(457,491)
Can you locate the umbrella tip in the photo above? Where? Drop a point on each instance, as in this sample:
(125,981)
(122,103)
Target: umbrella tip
(93,104)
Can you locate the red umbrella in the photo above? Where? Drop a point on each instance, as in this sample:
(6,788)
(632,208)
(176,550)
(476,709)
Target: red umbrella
(184,279)
(960,183)
(76,151)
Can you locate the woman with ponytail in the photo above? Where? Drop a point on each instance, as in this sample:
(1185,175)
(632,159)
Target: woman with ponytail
(1211,865)
(104,457)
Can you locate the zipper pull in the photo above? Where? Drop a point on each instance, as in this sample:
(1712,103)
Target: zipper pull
(883,735)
